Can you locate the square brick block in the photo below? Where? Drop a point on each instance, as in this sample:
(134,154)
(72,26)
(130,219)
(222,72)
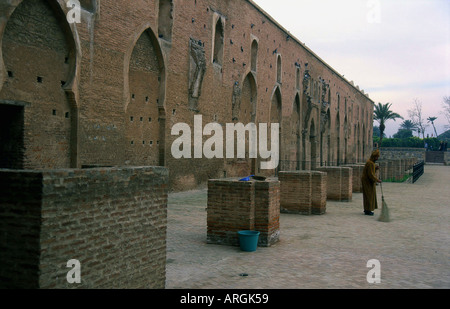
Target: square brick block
(339,182)
(235,205)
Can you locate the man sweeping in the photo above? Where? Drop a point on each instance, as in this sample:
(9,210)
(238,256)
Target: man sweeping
(369,182)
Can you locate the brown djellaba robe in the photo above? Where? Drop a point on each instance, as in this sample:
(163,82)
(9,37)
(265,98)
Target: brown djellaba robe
(369,183)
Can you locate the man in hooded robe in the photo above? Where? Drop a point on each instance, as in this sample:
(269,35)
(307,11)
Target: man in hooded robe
(369,182)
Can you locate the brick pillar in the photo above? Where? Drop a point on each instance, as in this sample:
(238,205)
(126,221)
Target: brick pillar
(346,183)
(296,192)
(112,220)
(231,208)
(267,212)
(356,178)
(339,182)
(319,192)
(235,205)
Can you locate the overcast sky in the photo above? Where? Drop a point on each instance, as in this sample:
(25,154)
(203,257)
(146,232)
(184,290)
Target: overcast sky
(396,50)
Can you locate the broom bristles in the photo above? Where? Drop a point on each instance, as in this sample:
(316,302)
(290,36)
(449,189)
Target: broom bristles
(384,216)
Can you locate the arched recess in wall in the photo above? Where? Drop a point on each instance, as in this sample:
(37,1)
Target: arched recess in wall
(254,55)
(328,135)
(276,117)
(338,140)
(296,132)
(247,113)
(219,33)
(313,144)
(165,19)
(39,97)
(358,138)
(145,112)
(345,159)
(279,69)
(364,142)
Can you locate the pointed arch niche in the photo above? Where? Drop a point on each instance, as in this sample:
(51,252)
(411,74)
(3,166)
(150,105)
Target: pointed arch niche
(247,111)
(296,134)
(145,113)
(41,82)
(254,54)
(276,117)
(279,69)
(218,39)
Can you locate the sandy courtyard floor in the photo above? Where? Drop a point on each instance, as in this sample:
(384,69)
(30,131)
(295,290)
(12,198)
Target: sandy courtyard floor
(327,251)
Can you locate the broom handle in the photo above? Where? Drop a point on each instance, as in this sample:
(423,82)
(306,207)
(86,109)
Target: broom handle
(381,184)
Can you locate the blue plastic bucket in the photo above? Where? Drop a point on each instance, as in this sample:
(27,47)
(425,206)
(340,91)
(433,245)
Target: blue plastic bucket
(248,240)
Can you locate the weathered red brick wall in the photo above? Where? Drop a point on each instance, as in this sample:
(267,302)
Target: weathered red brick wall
(98,75)
(113,221)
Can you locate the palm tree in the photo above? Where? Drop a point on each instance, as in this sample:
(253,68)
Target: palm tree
(432,119)
(408,125)
(382,113)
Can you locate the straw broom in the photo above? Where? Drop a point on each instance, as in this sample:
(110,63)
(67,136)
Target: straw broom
(384,216)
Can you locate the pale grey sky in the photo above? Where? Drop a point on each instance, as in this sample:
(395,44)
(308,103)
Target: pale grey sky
(396,50)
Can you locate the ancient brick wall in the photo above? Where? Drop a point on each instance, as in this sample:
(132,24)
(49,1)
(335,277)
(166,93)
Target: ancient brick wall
(108,91)
(113,221)
(399,153)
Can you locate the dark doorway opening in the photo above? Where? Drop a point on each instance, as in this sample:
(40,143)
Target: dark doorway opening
(11,136)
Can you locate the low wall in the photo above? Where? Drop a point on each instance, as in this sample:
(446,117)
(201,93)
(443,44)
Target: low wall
(401,153)
(235,205)
(112,220)
(395,169)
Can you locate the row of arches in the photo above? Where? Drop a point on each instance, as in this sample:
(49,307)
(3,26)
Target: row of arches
(49,39)
(41,54)
(306,142)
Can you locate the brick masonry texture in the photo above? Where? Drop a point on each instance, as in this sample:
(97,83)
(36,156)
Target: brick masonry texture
(339,182)
(319,192)
(108,91)
(235,205)
(357,170)
(303,192)
(113,220)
